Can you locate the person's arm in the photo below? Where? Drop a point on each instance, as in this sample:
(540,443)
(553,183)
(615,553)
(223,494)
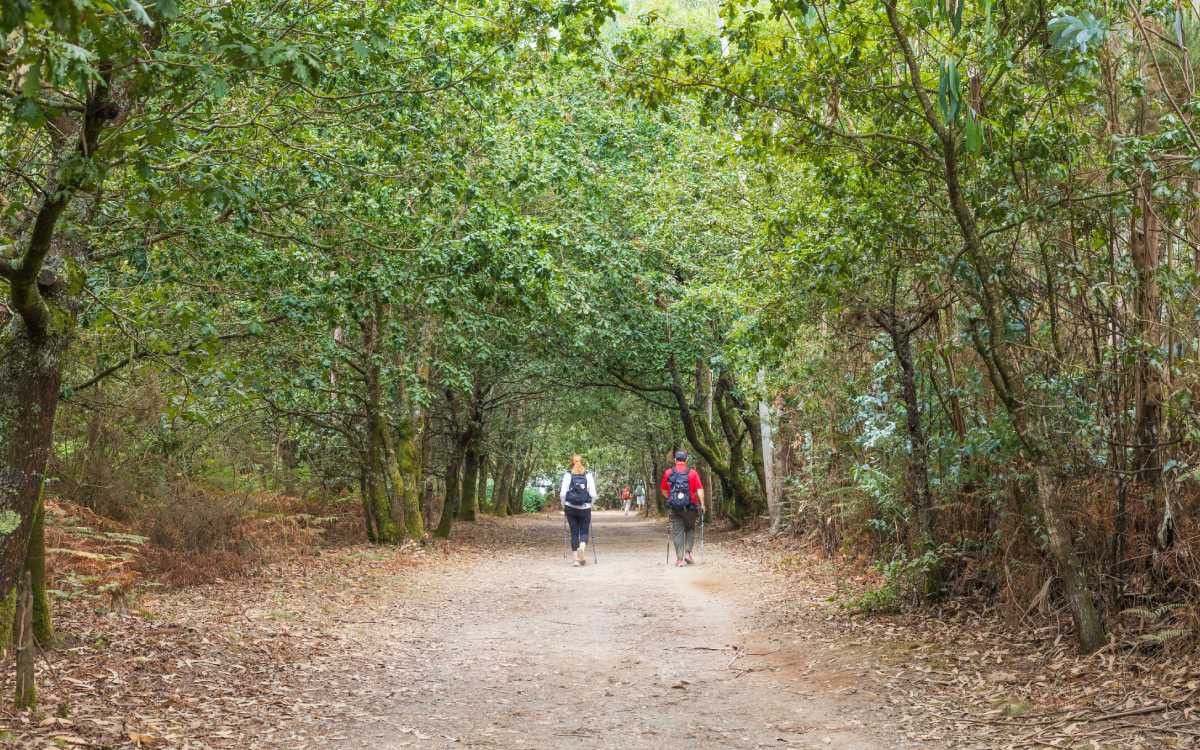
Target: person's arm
(699,488)
(591,486)
(562,490)
(700,497)
(663,485)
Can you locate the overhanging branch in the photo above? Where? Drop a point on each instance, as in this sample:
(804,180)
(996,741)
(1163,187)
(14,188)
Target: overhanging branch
(141,354)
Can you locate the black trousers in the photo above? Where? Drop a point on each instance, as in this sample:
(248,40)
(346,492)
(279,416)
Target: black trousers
(580,520)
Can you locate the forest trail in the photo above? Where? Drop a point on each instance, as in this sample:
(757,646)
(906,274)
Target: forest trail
(525,651)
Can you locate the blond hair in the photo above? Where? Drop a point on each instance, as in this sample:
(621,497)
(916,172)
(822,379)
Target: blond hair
(577,460)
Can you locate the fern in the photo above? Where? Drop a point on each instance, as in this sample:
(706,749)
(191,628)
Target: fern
(1164,636)
(1151,614)
(1141,612)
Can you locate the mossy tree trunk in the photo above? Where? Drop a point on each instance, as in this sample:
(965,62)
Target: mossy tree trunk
(25,696)
(383,513)
(407,456)
(481,496)
(30,376)
(35,564)
(389,485)
(722,446)
(516,490)
(42,289)
(654,498)
(450,505)
(366,493)
(521,474)
(501,497)
(429,501)
(8,613)
(470,477)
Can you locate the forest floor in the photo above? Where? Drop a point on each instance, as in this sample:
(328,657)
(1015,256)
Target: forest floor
(495,641)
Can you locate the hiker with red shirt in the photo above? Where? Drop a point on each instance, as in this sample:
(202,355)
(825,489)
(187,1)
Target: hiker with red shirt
(685,502)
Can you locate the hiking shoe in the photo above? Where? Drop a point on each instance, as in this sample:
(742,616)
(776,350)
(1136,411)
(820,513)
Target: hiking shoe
(688,559)
(575,563)
(680,563)
(583,553)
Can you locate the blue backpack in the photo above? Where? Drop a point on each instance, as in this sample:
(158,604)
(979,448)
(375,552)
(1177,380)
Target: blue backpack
(679,491)
(577,491)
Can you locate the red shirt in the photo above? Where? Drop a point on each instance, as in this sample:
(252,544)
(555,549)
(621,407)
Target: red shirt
(693,480)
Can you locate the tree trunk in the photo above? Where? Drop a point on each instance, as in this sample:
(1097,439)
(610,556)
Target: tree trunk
(428,500)
(30,377)
(33,343)
(1148,389)
(35,564)
(517,489)
(8,614)
(481,496)
(450,504)
(406,454)
(770,485)
(705,440)
(1088,627)
(470,477)
(746,503)
(918,452)
(385,514)
(918,458)
(365,491)
(654,486)
(994,350)
(26,692)
(501,498)
(383,480)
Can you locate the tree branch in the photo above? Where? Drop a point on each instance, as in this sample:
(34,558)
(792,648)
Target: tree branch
(141,354)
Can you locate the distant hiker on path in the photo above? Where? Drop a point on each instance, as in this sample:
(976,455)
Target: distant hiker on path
(685,501)
(641,497)
(577,493)
(626,498)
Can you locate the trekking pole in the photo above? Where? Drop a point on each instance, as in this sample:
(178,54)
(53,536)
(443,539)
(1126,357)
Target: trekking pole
(592,538)
(668,541)
(702,537)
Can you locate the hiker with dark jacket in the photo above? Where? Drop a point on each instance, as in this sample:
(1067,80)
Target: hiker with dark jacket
(577,493)
(685,502)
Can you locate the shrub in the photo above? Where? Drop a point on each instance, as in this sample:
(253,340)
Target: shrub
(192,519)
(903,579)
(879,601)
(532,501)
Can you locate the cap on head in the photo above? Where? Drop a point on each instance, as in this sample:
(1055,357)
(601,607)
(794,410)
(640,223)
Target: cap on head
(680,455)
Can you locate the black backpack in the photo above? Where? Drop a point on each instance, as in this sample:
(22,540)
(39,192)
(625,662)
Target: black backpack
(577,491)
(679,491)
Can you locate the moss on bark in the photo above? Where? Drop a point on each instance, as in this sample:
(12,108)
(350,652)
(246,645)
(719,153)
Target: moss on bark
(466,509)
(8,611)
(35,563)
(450,506)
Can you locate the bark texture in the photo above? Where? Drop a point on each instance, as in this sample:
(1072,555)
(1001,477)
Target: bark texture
(30,376)
(25,696)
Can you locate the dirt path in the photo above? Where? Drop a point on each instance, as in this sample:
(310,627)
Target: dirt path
(494,641)
(523,651)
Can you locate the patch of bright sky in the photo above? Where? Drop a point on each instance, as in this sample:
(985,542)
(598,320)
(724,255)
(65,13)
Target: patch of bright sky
(699,15)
